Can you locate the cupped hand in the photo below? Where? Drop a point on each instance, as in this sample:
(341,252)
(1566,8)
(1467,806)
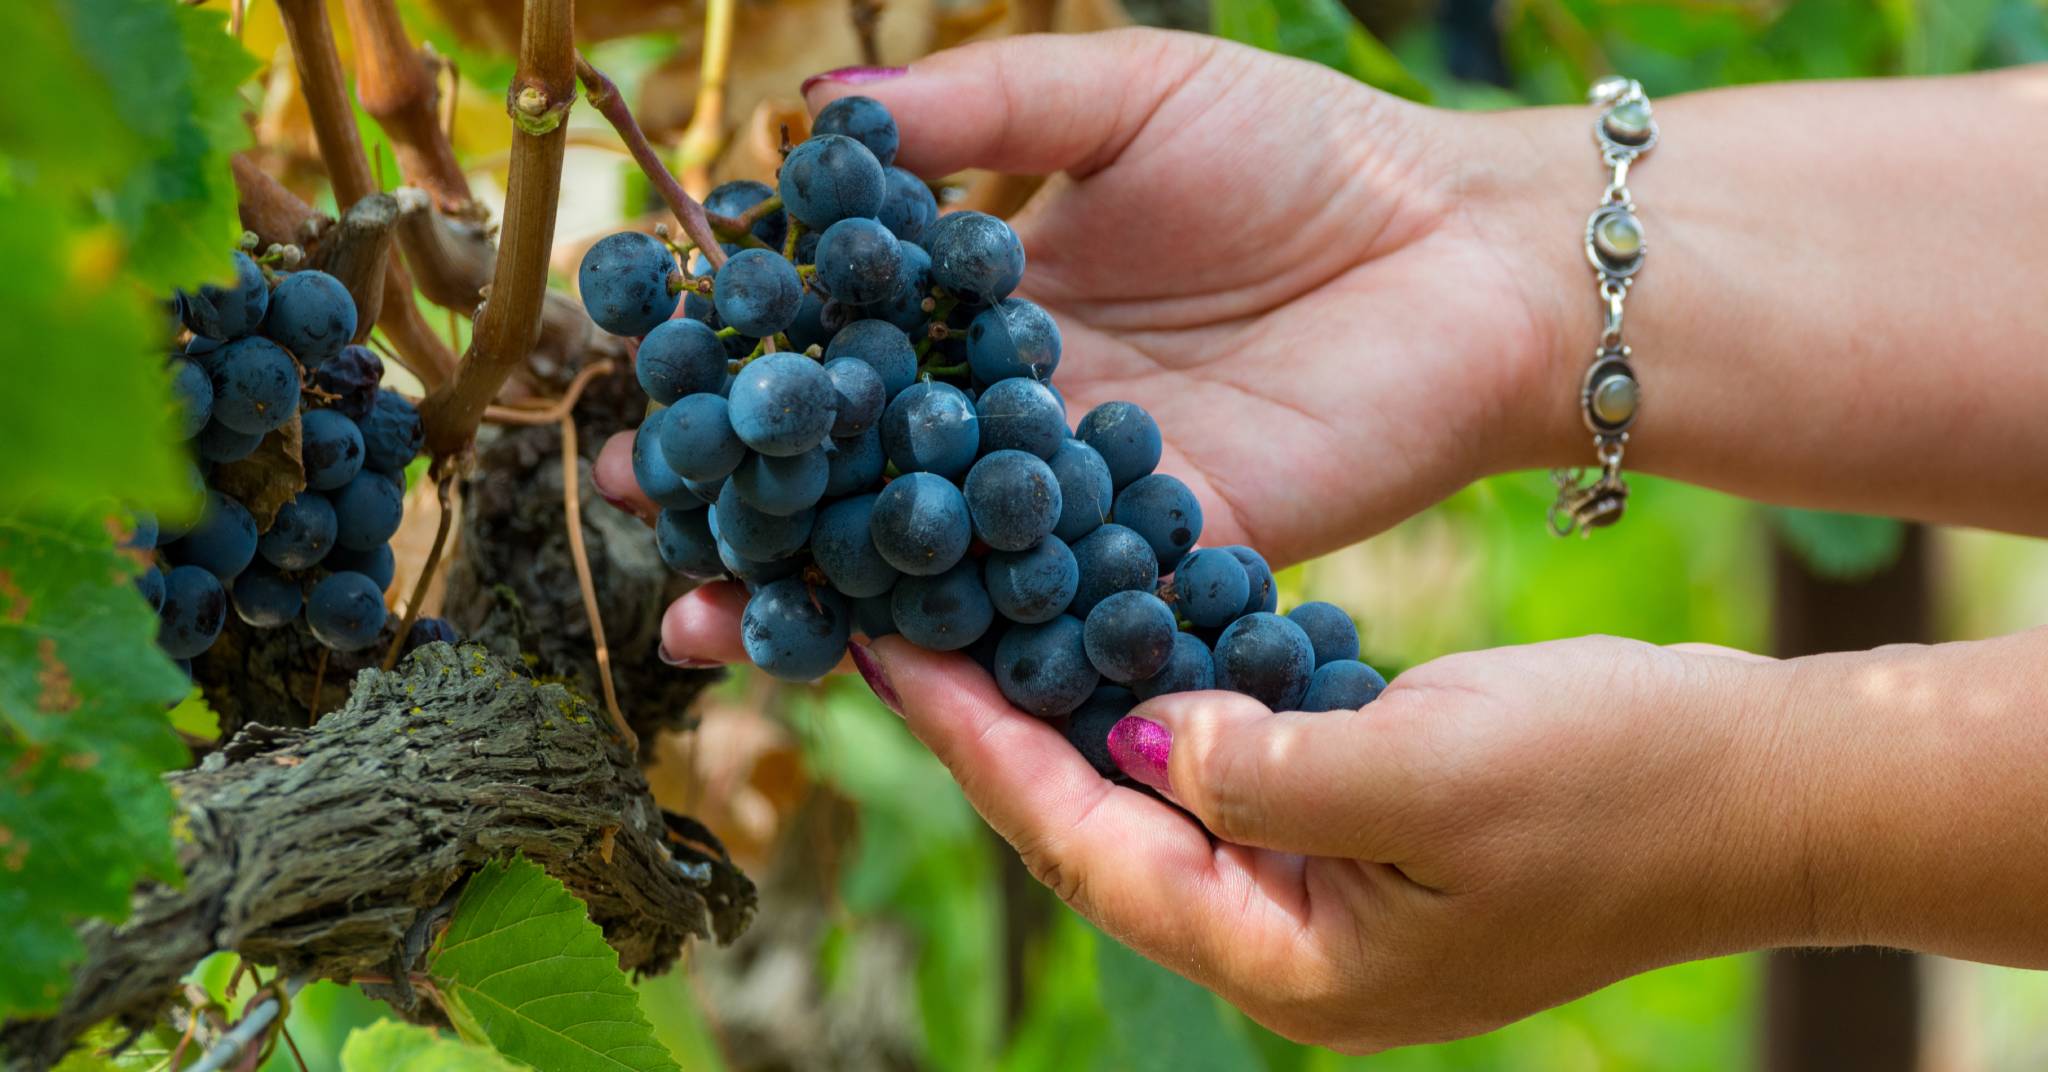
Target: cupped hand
(1497,833)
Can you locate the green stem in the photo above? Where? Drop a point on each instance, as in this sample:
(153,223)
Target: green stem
(796,230)
(728,332)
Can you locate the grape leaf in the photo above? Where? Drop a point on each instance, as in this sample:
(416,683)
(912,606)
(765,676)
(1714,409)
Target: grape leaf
(1318,30)
(524,970)
(1841,547)
(83,738)
(1187,1029)
(391,1046)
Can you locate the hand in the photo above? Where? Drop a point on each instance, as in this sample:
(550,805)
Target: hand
(1276,261)
(1497,833)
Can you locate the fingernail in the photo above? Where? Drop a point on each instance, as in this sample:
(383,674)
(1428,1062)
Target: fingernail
(852,76)
(685,664)
(617,502)
(1140,747)
(871,672)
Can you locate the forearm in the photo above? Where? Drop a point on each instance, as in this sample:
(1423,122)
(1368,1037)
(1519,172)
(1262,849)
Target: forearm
(1920,782)
(1845,300)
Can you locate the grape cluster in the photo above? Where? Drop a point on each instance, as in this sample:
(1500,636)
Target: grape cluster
(856,419)
(260,358)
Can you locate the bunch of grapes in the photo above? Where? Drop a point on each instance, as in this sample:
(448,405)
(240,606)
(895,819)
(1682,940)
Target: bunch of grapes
(859,422)
(260,360)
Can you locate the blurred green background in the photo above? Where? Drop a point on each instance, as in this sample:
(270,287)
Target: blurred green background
(896,932)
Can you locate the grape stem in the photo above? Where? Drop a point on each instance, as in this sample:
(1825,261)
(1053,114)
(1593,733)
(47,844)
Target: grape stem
(704,138)
(443,491)
(509,322)
(572,511)
(604,96)
(727,332)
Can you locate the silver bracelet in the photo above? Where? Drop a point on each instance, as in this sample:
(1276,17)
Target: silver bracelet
(1609,396)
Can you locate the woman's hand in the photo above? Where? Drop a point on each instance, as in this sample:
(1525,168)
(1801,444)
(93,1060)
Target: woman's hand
(1273,259)
(1497,833)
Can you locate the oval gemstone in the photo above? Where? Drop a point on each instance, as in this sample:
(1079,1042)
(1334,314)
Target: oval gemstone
(1618,236)
(1615,399)
(1629,122)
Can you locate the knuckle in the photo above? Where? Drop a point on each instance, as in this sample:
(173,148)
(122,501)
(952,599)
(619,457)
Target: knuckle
(1045,864)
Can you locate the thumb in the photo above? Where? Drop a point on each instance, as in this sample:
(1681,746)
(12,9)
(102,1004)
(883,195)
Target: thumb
(1029,105)
(1330,783)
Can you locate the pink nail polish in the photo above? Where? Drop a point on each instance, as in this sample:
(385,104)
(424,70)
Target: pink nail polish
(1140,748)
(852,76)
(871,672)
(685,664)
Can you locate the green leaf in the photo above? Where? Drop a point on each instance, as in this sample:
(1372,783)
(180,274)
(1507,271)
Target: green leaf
(1840,547)
(525,970)
(1185,1028)
(1318,30)
(83,739)
(391,1046)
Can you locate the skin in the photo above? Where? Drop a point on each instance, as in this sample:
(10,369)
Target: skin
(1839,311)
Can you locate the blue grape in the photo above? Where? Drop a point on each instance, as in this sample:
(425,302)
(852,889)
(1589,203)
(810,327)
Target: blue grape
(266,599)
(1126,437)
(1190,668)
(697,439)
(426,631)
(624,280)
(757,292)
(1112,559)
(782,486)
(945,612)
(1262,593)
(662,485)
(352,375)
(859,262)
(312,315)
(377,563)
(920,524)
(807,247)
(142,531)
(684,539)
(863,119)
(872,618)
(1033,585)
(392,434)
(255,385)
(150,582)
(195,607)
(331,446)
(975,256)
(1020,414)
(1013,500)
(1342,685)
(1013,337)
(856,463)
(754,573)
(346,611)
(793,631)
(1163,510)
(367,510)
(218,443)
(830,178)
(908,207)
(931,427)
(733,199)
(881,345)
(1211,587)
(1088,729)
(1331,632)
(905,308)
(843,545)
(1129,636)
(703,492)
(809,329)
(193,389)
(1044,669)
(757,535)
(782,404)
(1086,492)
(302,534)
(680,357)
(858,396)
(222,543)
(228,312)
(1266,657)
